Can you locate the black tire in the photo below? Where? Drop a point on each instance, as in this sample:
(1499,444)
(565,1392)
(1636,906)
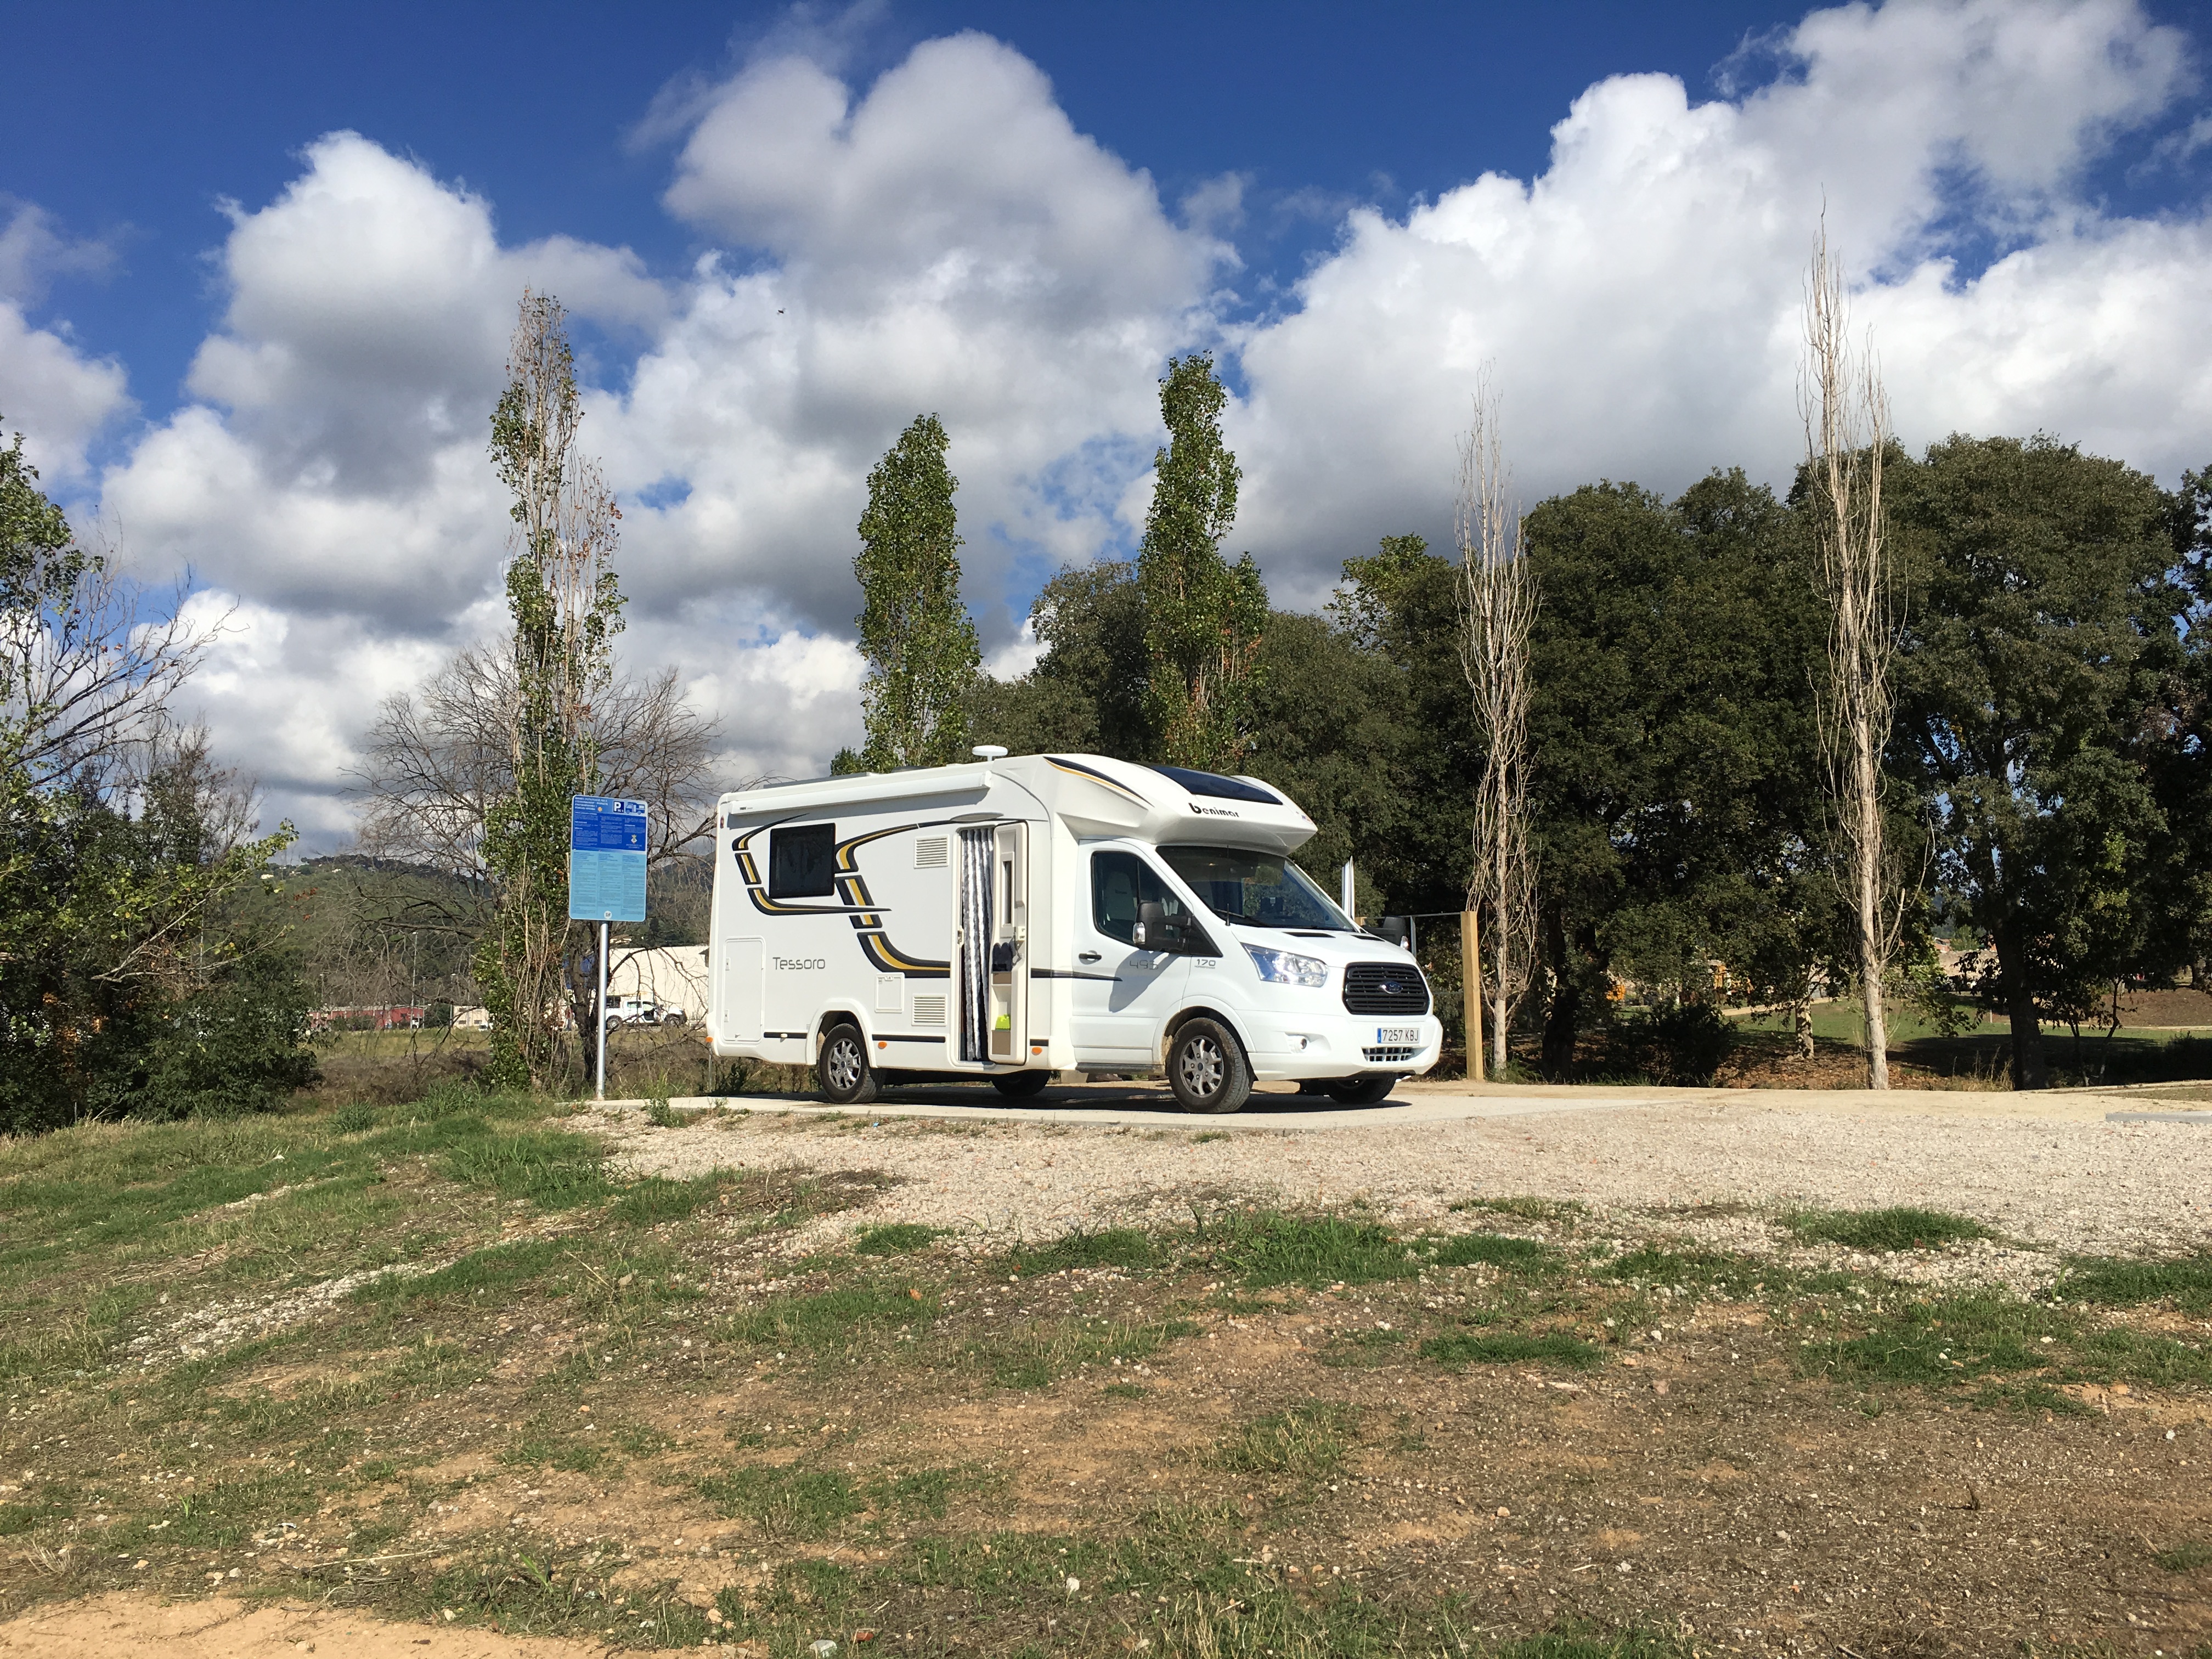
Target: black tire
(1206,1068)
(1020,1085)
(673,1019)
(1362,1090)
(848,1077)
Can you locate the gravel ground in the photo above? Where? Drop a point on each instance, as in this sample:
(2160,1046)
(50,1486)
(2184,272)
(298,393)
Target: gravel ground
(1717,1170)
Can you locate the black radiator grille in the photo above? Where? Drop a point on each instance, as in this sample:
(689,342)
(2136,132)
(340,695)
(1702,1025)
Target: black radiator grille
(1385,987)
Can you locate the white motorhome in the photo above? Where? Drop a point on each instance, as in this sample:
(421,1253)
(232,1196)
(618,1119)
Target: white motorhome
(1011,919)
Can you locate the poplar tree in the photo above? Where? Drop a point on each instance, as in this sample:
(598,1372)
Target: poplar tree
(917,636)
(1203,616)
(566,603)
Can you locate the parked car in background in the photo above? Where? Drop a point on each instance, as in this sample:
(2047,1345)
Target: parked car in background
(641,1010)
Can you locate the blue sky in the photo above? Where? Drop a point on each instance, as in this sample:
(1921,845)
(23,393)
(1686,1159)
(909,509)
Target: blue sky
(145,118)
(245,344)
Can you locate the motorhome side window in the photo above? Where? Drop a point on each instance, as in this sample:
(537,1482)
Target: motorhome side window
(801,861)
(1120,882)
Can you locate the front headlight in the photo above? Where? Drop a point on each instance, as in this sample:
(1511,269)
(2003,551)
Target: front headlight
(1282,968)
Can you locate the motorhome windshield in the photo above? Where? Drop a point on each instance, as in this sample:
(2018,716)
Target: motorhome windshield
(1257,889)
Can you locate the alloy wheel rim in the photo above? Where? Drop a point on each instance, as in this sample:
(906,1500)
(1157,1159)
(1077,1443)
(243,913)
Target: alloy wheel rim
(1201,1067)
(844,1066)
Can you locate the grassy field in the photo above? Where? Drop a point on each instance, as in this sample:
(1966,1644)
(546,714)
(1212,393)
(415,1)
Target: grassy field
(437,1361)
(1923,1056)
(384,1068)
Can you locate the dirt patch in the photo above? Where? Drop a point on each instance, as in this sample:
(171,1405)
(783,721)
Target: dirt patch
(102,1627)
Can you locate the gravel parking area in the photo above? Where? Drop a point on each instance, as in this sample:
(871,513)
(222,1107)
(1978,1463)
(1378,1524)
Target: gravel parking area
(2047,1173)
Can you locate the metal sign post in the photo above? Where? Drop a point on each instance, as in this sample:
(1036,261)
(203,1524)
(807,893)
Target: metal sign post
(601,1005)
(606,882)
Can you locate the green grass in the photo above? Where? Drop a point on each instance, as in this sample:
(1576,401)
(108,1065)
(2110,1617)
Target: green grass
(834,1318)
(1038,1354)
(1129,1248)
(548,1439)
(784,1502)
(1363,1350)
(1264,1247)
(794,1501)
(896,1238)
(1895,1229)
(546,1168)
(1951,1339)
(2115,1282)
(1494,1249)
(1565,1210)
(655,1200)
(1305,1443)
(500,1268)
(1512,1347)
(2187,1556)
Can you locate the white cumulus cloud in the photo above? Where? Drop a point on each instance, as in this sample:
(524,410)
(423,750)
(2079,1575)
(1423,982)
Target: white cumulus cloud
(943,239)
(56,395)
(1640,299)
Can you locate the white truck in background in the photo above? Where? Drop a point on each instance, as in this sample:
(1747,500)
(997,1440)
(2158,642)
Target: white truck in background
(1010,918)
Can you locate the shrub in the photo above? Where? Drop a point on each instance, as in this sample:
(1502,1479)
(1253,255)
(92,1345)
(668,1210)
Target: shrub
(1674,1046)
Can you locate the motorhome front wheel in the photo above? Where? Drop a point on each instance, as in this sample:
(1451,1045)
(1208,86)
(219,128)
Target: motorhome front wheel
(1020,1085)
(846,1077)
(1206,1069)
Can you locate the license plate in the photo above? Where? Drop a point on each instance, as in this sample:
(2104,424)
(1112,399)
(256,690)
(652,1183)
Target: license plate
(1397,1037)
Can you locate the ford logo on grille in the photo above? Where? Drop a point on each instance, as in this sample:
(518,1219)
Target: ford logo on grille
(1391,988)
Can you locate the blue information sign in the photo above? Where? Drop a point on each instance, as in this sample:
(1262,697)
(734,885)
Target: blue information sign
(606,859)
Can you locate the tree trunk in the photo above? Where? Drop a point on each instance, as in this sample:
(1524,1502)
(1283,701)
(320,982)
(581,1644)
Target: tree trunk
(1873,934)
(1470,991)
(2028,1069)
(1801,1016)
(1566,1011)
(1501,943)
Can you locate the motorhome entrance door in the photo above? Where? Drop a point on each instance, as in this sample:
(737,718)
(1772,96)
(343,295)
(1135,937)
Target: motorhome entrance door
(993,954)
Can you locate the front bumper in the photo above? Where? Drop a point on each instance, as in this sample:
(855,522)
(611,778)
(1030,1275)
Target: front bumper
(1293,1048)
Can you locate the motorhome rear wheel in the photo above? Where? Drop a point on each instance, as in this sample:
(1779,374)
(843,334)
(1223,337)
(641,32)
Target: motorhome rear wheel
(1020,1085)
(846,1077)
(1206,1068)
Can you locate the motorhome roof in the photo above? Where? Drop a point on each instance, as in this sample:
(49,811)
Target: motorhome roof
(1095,794)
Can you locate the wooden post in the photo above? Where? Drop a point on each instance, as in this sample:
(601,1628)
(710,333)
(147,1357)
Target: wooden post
(1470,989)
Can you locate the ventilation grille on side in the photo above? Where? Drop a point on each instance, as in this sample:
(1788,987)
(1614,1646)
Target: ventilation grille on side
(1385,987)
(929,852)
(928,1010)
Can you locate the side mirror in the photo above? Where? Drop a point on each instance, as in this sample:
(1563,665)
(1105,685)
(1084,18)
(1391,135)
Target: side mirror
(1151,928)
(1395,929)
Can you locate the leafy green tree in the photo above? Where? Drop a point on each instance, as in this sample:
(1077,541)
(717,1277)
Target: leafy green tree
(1086,693)
(917,636)
(566,607)
(2041,627)
(2180,755)
(129,942)
(1203,616)
(1676,800)
(1409,754)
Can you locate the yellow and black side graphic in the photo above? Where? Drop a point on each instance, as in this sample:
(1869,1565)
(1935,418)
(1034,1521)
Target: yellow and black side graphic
(1077,768)
(855,902)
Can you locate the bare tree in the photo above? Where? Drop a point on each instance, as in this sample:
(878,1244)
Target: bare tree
(87,668)
(1846,432)
(438,762)
(1498,608)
